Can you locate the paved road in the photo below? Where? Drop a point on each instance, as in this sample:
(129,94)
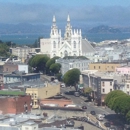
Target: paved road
(90,105)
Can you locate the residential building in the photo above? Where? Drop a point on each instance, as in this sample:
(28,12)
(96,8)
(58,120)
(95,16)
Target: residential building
(71,45)
(104,67)
(14,104)
(67,64)
(42,92)
(22,52)
(123,70)
(17,76)
(101,83)
(10,67)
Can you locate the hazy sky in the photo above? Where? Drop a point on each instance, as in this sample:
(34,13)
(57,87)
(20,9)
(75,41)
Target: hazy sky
(88,12)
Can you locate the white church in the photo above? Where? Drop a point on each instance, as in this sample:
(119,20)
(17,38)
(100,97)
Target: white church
(71,44)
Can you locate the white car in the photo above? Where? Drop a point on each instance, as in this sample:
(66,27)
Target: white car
(62,85)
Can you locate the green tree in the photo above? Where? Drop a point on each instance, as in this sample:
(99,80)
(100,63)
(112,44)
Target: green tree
(50,62)
(71,77)
(128,116)
(55,68)
(88,90)
(38,62)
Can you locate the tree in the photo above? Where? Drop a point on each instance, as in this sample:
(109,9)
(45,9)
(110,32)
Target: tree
(38,62)
(88,90)
(119,102)
(50,62)
(55,68)
(71,77)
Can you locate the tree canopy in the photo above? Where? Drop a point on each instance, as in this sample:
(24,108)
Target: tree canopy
(71,77)
(119,102)
(38,62)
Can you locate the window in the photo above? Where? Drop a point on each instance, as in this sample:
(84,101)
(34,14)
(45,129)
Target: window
(74,44)
(103,90)
(127,85)
(110,83)
(94,67)
(99,67)
(54,44)
(102,83)
(112,67)
(110,90)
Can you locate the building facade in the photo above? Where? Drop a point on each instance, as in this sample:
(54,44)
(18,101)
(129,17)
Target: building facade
(68,64)
(101,83)
(71,45)
(104,67)
(22,52)
(39,93)
(14,105)
(10,67)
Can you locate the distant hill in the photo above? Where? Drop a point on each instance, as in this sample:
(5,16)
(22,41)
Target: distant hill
(104,29)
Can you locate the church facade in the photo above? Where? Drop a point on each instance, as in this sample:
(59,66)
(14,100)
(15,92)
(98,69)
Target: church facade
(71,44)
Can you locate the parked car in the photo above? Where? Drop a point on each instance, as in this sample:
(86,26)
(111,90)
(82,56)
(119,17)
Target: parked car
(107,124)
(84,107)
(62,85)
(100,117)
(112,128)
(93,112)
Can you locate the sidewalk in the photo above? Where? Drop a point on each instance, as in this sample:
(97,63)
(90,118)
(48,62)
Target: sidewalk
(93,118)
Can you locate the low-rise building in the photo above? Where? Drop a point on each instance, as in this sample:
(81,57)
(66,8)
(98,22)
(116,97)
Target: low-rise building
(17,76)
(15,104)
(104,67)
(42,92)
(9,67)
(67,64)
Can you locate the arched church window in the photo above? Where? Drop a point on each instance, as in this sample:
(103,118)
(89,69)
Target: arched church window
(54,44)
(65,53)
(74,44)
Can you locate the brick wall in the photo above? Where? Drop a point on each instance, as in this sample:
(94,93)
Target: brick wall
(14,105)
(9,67)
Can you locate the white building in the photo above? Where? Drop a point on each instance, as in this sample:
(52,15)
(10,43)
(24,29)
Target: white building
(68,64)
(22,52)
(71,45)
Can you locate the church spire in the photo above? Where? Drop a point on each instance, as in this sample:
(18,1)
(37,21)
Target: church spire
(68,18)
(54,19)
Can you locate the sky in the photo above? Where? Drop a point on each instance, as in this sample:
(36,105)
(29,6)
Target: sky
(85,12)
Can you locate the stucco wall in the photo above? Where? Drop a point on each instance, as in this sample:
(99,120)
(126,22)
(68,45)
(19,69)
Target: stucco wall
(103,67)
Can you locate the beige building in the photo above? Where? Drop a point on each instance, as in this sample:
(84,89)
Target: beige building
(22,52)
(104,67)
(39,93)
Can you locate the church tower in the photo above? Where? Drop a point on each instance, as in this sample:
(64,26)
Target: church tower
(55,38)
(68,30)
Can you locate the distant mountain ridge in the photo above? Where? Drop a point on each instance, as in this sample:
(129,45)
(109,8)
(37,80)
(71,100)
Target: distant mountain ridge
(22,28)
(104,29)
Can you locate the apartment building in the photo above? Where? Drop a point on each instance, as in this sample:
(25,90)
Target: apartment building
(67,64)
(101,83)
(104,67)
(22,52)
